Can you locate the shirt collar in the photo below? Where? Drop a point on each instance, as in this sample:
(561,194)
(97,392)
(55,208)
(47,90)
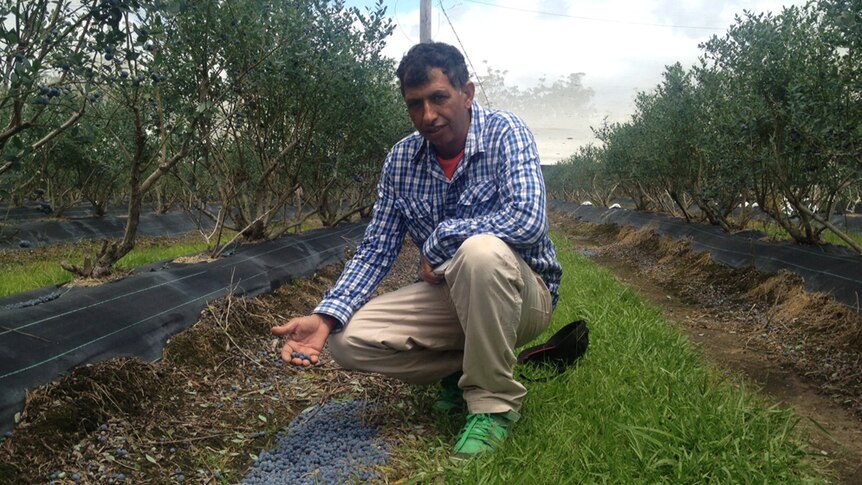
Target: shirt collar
(475,141)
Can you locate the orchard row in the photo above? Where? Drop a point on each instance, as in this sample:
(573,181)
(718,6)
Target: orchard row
(253,104)
(770,120)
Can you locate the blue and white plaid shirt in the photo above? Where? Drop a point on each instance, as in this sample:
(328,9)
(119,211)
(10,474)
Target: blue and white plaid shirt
(497,189)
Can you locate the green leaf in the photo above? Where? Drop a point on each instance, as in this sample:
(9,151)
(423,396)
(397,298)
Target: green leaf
(261,417)
(150,459)
(203,106)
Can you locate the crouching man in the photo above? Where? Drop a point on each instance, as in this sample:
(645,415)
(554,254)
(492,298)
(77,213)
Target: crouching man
(468,188)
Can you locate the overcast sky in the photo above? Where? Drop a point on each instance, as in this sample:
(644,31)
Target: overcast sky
(622,46)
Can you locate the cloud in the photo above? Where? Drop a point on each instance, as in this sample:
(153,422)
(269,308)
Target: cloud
(554,5)
(693,16)
(619,44)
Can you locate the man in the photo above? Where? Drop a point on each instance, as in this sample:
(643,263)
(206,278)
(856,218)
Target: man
(468,188)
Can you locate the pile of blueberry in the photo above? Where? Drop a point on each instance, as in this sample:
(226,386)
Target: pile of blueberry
(32,302)
(327,444)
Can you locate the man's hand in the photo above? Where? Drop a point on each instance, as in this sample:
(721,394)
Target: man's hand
(305,335)
(427,273)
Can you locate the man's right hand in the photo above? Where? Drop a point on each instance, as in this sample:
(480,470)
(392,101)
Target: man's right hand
(426,272)
(305,335)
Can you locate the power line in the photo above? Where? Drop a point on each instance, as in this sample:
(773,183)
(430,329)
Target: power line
(464,50)
(593,19)
(395,16)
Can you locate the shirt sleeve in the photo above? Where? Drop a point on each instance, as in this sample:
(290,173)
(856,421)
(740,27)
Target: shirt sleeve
(521,220)
(373,258)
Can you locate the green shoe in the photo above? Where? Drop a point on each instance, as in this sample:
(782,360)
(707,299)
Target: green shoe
(451,397)
(483,433)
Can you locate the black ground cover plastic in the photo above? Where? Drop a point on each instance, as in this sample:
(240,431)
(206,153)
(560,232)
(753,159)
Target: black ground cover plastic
(52,231)
(43,230)
(136,316)
(848,222)
(829,269)
(35,210)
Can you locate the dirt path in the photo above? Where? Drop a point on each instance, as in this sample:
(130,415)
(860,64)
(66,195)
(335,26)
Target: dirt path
(727,342)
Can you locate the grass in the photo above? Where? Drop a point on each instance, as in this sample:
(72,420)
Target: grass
(29,270)
(776,232)
(642,407)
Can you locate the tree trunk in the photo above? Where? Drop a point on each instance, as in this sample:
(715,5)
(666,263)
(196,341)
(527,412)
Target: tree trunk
(681,204)
(116,251)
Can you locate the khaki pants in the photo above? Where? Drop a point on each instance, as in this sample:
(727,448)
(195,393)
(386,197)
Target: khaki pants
(490,303)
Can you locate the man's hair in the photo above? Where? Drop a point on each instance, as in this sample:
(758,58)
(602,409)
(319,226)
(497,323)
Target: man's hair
(421,58)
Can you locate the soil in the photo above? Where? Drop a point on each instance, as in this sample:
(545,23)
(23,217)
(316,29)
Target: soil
(758,342)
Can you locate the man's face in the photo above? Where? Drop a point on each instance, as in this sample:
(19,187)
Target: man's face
(440,112)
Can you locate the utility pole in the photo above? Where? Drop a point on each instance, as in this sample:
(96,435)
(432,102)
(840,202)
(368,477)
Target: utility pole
(425,21)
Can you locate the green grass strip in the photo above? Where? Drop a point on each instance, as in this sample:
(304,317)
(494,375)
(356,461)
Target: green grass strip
(642,407)
(24,271)
(776,232)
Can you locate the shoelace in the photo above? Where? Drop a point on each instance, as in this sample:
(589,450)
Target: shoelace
(483,424)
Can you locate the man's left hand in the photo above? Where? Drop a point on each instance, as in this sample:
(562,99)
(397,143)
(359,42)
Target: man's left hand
(427,273)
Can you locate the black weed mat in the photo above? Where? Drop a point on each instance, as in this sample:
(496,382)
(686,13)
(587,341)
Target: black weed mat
(26,228)
(42,232)
(135,316)
(35,210)
(828,269)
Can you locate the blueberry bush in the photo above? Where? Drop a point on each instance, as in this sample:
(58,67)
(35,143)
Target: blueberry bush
(252,106)
(768,119)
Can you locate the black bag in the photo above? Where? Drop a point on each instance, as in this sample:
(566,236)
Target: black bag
(562,350)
